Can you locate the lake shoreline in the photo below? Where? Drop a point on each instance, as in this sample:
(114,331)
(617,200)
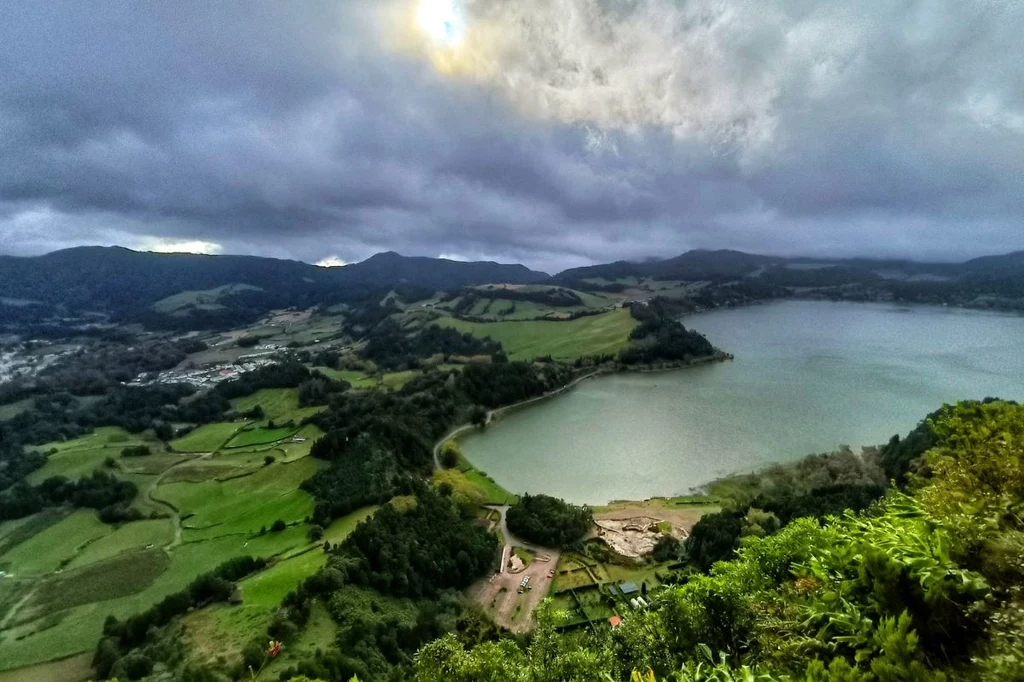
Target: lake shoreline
(808,376)
(494,416)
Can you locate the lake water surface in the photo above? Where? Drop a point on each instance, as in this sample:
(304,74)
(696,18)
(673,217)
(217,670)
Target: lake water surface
(807,377)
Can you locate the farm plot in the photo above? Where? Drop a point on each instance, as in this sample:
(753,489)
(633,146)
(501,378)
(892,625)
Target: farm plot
(81,456)
(525,340)
(206,438)
(244,504)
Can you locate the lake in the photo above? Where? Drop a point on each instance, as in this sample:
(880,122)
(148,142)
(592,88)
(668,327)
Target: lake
(807,377)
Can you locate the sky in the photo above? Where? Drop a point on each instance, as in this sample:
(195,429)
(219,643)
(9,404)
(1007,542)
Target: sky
(555,133)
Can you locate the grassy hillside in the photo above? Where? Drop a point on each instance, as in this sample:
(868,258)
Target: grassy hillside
(207,298)
(525,340)
(68,572)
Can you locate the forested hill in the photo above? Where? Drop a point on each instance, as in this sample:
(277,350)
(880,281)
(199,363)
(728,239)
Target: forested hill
(727,265)
(121,281)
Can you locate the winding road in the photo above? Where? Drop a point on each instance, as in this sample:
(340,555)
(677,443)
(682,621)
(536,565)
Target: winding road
(510,539)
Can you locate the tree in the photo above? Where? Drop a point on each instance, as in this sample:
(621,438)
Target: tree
(478,417)
(278,526)
(549,521)
(449,454)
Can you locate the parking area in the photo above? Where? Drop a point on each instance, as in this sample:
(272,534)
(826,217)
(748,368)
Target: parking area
(501,597)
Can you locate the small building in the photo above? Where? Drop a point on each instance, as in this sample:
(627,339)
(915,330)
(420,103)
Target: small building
(628,588)
(634,603)
(615,621)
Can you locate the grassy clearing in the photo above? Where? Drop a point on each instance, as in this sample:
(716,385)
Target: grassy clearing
(493,493)
(229,628)
(206,297)
(131,536)
(81,456)
(359,380)
(474,485)
(77,629)
(266,589)
(477,482)
(293,451)
(71,668)
(119,577)
(17,531)
(12,410)
(206,438)
(260,436)
(593,335)
(48,550)
(320,633)
(341,528)
(243,505)
(279,404)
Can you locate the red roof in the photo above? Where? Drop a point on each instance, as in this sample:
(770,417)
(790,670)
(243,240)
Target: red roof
(615,621)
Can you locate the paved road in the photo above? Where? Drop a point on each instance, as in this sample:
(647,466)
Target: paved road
(512,540)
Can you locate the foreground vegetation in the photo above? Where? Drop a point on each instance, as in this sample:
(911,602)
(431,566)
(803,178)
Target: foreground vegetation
(924,585)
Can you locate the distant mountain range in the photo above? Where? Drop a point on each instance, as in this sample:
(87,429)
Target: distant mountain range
(127,284)
(723,264)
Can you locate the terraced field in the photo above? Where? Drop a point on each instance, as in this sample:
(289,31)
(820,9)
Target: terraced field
(66,572)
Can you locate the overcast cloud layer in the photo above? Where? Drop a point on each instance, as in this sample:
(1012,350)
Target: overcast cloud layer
(550,132)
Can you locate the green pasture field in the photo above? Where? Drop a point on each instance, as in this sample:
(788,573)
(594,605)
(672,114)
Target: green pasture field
(137,535)
(206,438)
(12,410)
(85,570)
(475,485)
(341,528)
(359,380)
(207,297)
(279,404)
(18,530)
(244,504)
(77,629)
(81,456)
(259,435)
(120,576)
(44,552)
(231,627)
(71,668)
(592,335)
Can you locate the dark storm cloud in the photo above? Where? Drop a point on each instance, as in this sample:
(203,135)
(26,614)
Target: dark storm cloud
(555,133)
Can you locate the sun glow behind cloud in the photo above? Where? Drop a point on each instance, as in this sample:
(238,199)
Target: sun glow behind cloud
(441,20)
(162,245)
(331,262)
(647,63)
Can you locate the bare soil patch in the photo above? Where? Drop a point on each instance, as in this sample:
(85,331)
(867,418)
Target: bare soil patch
(499,595)
(632,531)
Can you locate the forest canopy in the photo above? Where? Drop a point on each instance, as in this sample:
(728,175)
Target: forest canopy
(549,521)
